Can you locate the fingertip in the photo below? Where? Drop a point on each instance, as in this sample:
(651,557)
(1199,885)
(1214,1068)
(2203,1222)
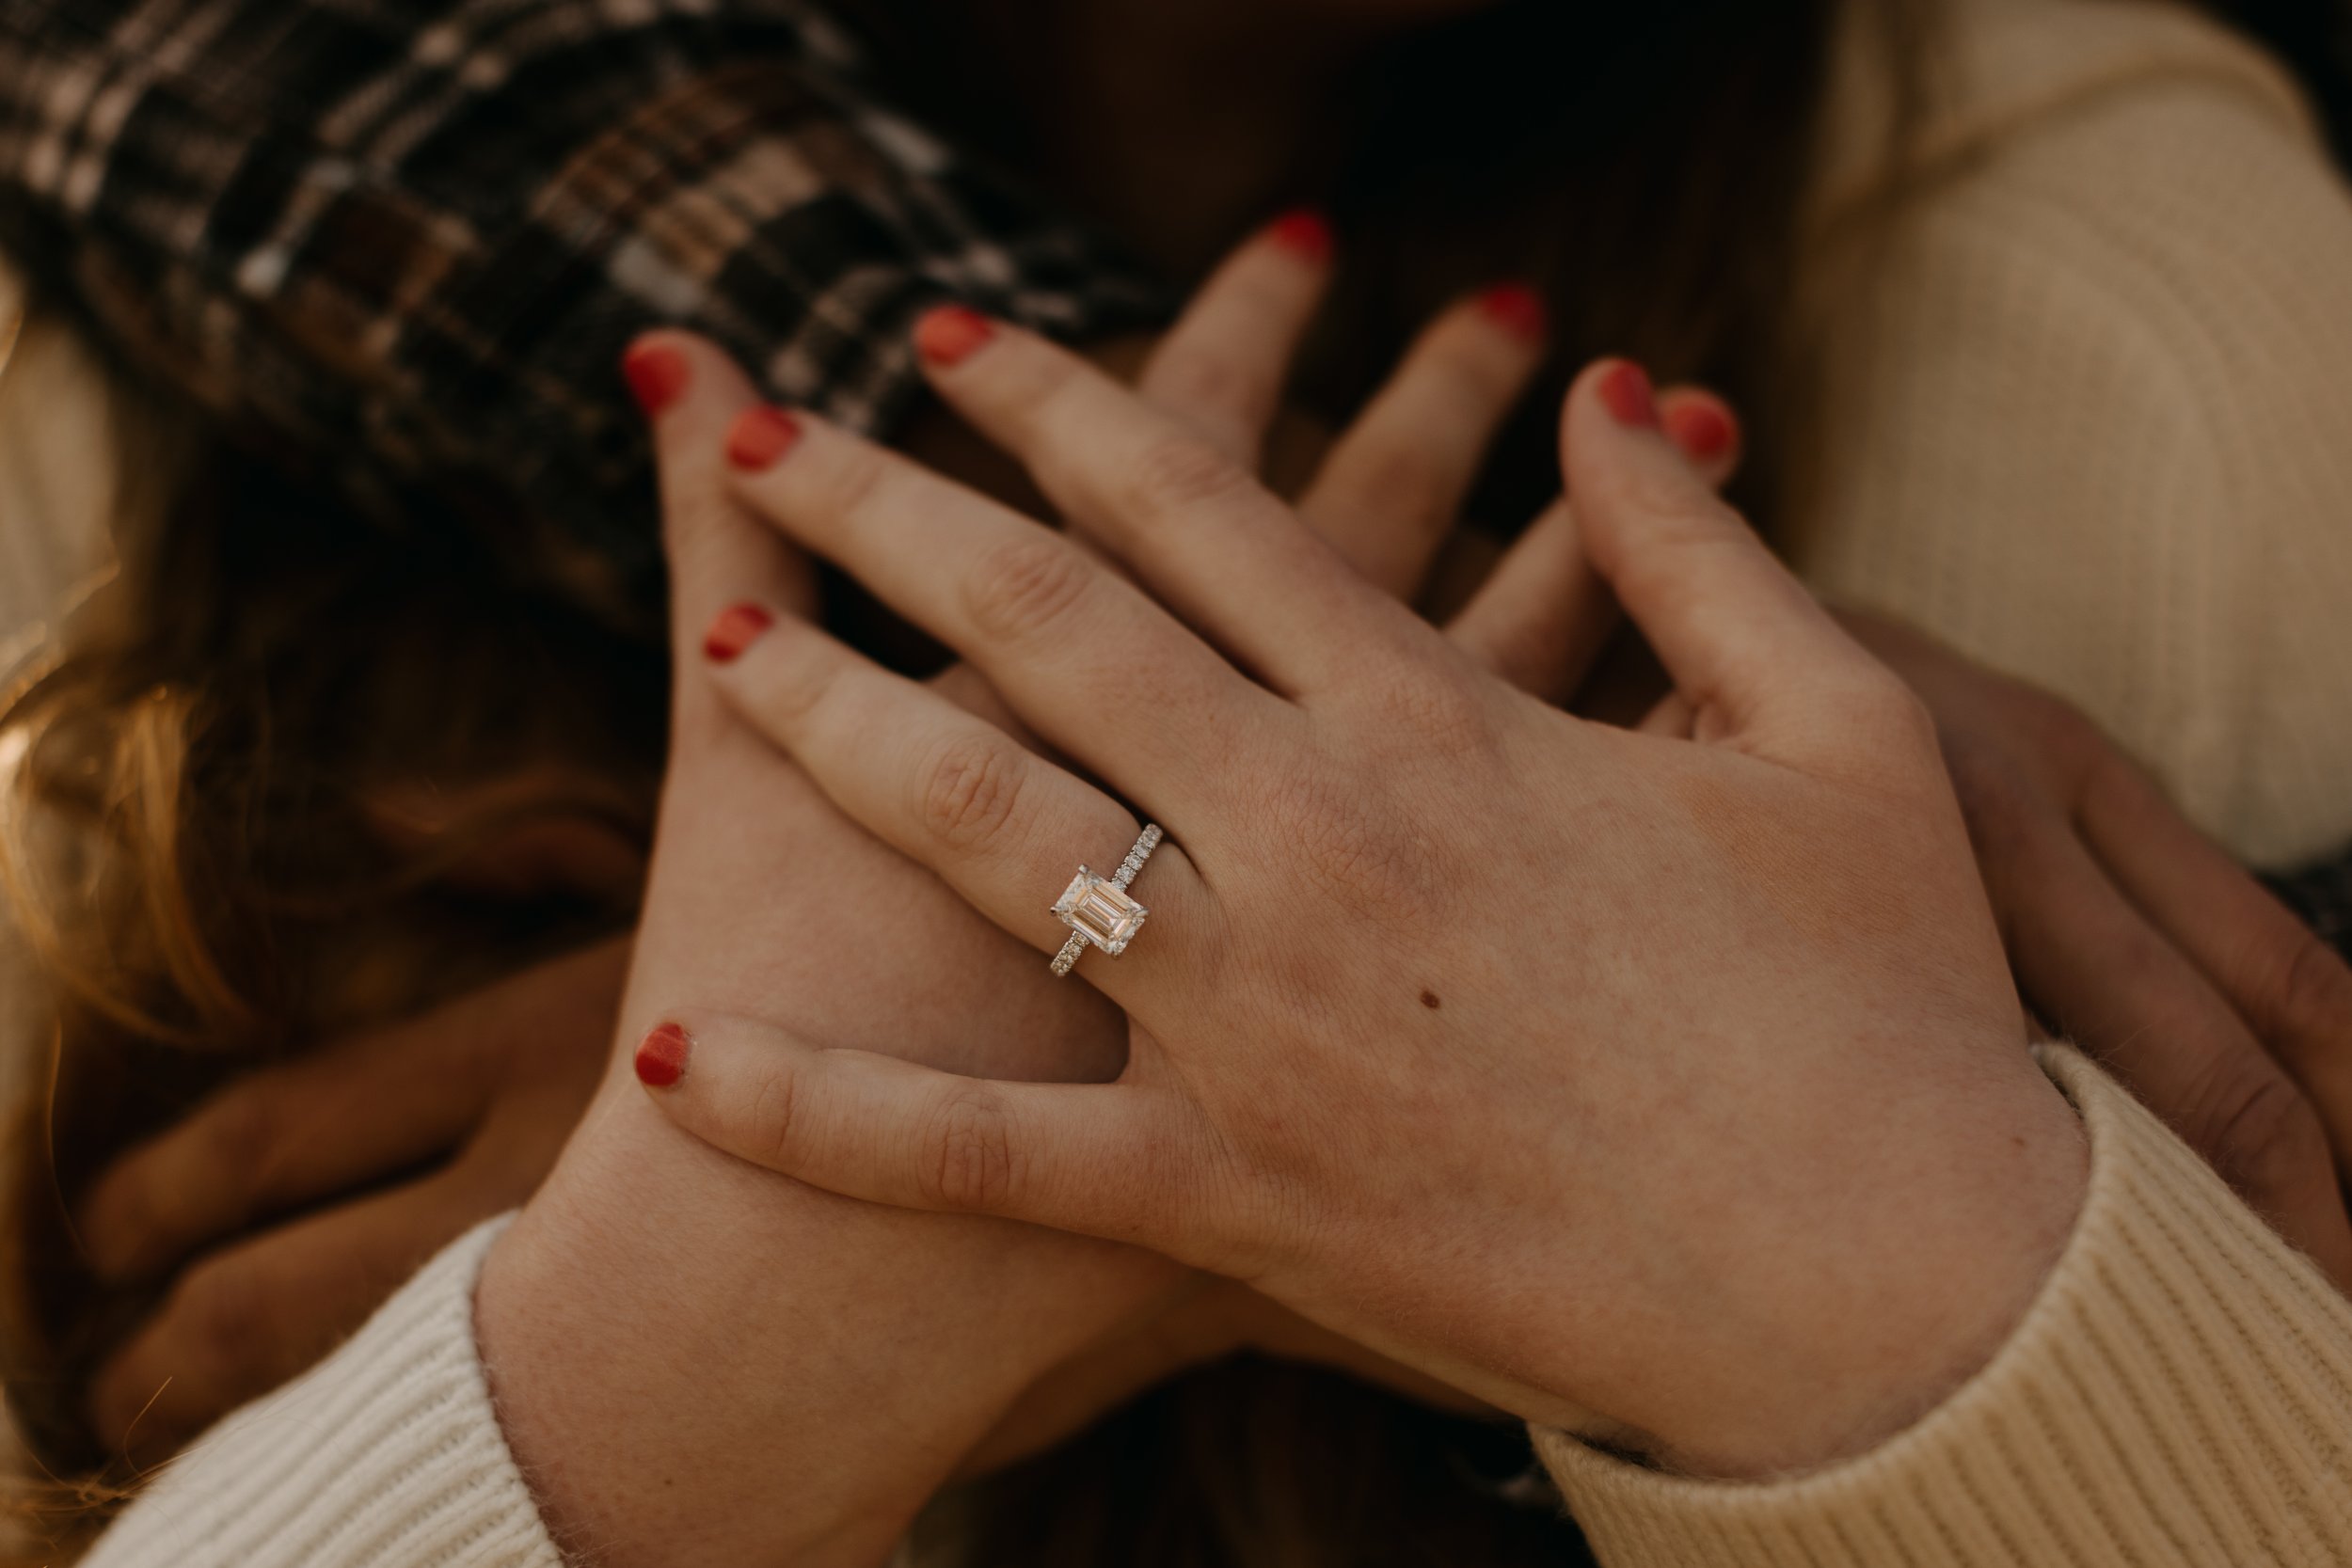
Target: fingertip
(1625,391)
(735,629)
(1611,434)
(1703,426)
(761,438)
(658,373)
(948,335)
(1518,309)
(661,1056)
(1305,233)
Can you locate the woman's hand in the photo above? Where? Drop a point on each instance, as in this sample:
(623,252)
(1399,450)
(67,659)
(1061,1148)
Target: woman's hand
(2138,939)
(395,1143)
(646,1251)
(1682,1083)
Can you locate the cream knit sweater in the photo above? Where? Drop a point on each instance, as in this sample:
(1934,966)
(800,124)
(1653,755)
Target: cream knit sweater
(2087,412)
(2179,1396)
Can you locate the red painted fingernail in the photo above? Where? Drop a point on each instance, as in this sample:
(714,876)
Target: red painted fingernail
(1304,231)
(761,438)
(1702,430)
(951,334)
(661,1056)
(737,628)
(657,376)
(1518,310)
(1625,390)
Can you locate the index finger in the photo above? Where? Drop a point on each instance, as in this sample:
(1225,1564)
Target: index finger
(1747,645)
(1208,540)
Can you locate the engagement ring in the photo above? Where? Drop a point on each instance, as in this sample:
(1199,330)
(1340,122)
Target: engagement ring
(1098,910)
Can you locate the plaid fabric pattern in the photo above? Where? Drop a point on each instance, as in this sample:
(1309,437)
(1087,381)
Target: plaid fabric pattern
(405,239)
(410,238)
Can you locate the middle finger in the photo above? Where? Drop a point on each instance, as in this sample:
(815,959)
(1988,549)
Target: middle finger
(1094,667)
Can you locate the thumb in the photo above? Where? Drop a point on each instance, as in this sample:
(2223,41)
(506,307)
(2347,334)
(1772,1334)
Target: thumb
(1746,645)
(1099,1159)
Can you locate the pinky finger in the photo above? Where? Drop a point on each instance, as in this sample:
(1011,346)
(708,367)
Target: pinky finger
(1105,1160)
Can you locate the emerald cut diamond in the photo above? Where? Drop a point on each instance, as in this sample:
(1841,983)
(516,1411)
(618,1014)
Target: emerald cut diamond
(1101,912)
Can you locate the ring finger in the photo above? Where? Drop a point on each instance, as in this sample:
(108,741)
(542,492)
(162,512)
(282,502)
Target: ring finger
(1001,825)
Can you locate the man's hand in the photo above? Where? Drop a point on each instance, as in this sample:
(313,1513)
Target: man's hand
(2135,937)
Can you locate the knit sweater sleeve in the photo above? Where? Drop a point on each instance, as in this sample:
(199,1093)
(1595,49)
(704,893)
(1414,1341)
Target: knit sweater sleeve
(2179,1395)
(2082,409)
(386,1455)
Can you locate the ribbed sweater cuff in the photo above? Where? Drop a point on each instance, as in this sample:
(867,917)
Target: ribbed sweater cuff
(2180,1393)
(386,1455)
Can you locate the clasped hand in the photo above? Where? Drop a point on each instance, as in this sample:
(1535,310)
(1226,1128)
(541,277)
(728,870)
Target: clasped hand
(1672,1085)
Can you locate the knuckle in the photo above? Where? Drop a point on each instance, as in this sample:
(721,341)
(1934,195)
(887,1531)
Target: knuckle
(2059,730)
(1899,713)
(971,789)
(1179,473)
(692,522)
(1675,509)
(769,1120)
(853,481)
(1890,726)
(243,1133)
(2307,1000)
(1655,563)
(2258,1130)
(967,1157)
(784,687)
(1026,586)
(1205,385)
(1418,708)
(228,1317)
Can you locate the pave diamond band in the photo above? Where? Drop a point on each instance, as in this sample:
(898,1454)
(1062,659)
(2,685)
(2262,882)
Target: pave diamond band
(1097,909)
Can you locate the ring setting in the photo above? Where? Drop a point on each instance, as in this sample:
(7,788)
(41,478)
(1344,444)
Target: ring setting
(1099,910)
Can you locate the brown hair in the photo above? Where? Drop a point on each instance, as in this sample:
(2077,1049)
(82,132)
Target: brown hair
(190,834)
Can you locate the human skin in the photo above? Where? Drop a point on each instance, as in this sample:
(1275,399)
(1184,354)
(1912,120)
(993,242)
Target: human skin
(256,1305)
(668,1328)
(1415,1049)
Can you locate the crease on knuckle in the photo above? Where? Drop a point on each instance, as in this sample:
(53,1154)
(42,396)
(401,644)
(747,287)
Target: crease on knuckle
(1670,548)
(2259,1130)
(2305,996)
(247,1143)
(855,482)
(1176,474)
(971,789)
(784,687)
(1026,586)
(1202,384)
(966,1159)
(769,1120)
(228,1317)
(692,522)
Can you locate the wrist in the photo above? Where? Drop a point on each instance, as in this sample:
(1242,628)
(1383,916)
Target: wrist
(667,1330)
(1867,1317)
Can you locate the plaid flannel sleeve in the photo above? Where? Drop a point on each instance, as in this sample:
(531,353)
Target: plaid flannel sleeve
(406,238)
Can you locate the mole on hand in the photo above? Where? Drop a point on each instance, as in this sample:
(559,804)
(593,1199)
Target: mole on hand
(1429,999)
